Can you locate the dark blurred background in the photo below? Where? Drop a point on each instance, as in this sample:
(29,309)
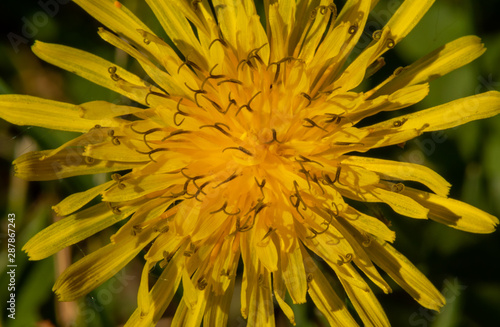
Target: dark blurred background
(464,266)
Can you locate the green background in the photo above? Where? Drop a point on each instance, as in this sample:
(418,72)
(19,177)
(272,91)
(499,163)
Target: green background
(464,266)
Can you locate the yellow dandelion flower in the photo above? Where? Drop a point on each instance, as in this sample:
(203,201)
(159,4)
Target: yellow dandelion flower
(248,145)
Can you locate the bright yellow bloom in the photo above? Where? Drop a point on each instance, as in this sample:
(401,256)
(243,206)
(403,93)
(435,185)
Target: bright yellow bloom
(247,145)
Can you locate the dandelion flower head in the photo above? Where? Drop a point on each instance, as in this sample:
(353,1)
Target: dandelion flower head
(248,149)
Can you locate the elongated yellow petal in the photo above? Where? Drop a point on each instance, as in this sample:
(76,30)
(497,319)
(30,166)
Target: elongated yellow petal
(454,213)
(191,317)
(401,204)
(241,27)
(396,170)
(94,68)
(261,312)
(94,269)
(218,305)
(164,80)
(406,275)
(354,15)
(28,110)
(281,16)
(129,188)
(179,30)
(143,299)
(36,166)
(73,229)
(448,115)
(294,275)
(124,152)
(401,98)
(103,110)
(312,35)
(266,249)
(406,17)
(369,224)
(279,289)
(360,258)
(354,74)
(384,137)
(325,298)
(436,64)
(120,20)
(364,301)
(78,200)
(148,214)
(325,58)
(161,294)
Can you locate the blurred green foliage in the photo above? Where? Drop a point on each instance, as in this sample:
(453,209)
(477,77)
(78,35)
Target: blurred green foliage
(464,266)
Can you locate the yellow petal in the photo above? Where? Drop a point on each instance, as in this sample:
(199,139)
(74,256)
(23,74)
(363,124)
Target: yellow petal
(241,27)
(165,244)
(93,68)
(265,248)
(160,77)
(73,229)
(360,258)
(126,151)
(179,30)
(96,268)
(36,166)
(447,115)
(396,170)
(191,316)
(312,36)
(103,110)
(120,20)
(401,204)
(143,299)
(436,64)
(354,15)
(406,275)
(454,213)
(189,291)
(131,188)
(250,276)
(384,137)
(281,19)
(218,305)
(401,98)
(279,289)
(368,224)
(294,275)
(28,110)
(77,200)
(406,17)
(190,211)
(325,59)
(261,311)
(95,135)
(161,294)
(364,301)
(354,74)
(325,298)
(153,211)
